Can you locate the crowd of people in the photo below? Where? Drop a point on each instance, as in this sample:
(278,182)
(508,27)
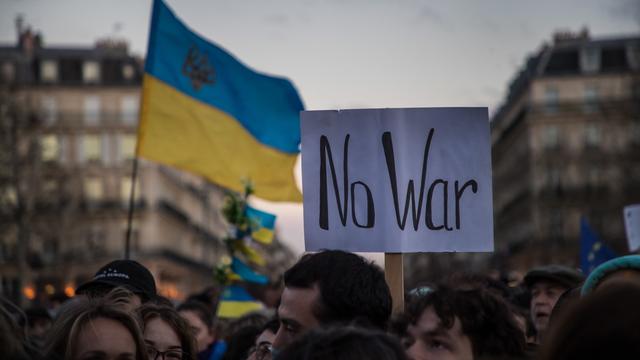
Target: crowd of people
(336,305)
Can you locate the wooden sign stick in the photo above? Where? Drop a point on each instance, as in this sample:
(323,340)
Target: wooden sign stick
(394,274)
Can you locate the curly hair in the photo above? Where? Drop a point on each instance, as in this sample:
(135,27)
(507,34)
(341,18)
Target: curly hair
(484,318)
(350,287)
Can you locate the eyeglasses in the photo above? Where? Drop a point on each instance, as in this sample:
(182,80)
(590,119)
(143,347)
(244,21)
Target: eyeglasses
(172,354)
(261,351)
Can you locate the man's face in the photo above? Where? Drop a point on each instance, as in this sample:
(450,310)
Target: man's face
(544,295)
(296,314)
(434,341)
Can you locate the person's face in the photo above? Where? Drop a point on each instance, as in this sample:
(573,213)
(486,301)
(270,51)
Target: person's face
(104,339)
(161,338)
(544,295)
(262,347)
(434,341)
(296,314)
(204,335)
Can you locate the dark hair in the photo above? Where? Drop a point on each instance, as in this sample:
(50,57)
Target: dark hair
(201,310)
(344,343)
(12,335)
(484,318)
(602,325)
(272,325)
(169,315)
(350,287)
(80,311)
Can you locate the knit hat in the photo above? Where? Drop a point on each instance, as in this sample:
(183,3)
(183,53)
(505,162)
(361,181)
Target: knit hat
(624,262)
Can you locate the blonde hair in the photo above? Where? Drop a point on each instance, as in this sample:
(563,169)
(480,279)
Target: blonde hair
(80,311)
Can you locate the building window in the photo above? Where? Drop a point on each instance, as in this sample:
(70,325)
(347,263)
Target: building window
(49,71)
(592,135)
(8,72)
(125,189)
(91,109)
(129,106)
(9,195)
(50,148)
(556,224)
(107,158)
(553,178)
(49,109)
(126,147)
(590,99)
(550,137)
(590,60)
(635,133)
(50,187)
(93,188)
(91,148)
(128,71)
(551,100)
(91,72)
(633,55)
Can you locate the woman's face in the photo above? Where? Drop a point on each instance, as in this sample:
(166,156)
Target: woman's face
(160,338)
(104,339)
(204,336)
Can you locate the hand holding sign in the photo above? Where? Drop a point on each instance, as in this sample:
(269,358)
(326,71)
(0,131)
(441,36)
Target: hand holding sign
(397,180)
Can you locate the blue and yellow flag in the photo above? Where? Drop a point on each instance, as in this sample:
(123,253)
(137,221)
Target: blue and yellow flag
(262,224)
(246,273)
(236,301)
(205,112)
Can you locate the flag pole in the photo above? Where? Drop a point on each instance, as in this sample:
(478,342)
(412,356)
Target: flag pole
(127,240)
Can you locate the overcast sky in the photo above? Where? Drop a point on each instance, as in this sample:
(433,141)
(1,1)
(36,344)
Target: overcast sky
(349,53)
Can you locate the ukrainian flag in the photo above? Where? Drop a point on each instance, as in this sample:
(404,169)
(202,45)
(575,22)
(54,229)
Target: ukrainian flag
(236,302)
(205,112)
(262,225)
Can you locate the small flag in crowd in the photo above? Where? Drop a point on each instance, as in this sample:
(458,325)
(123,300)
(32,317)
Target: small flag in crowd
(593,251)
(262,225)
(205,112)
(236,302)
(246,273)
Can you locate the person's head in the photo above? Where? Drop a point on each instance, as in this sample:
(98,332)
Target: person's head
(624,269)
(344,343)
(462,324)
(331,287)
(546,284)
(261,349)
(242,333)
(166,332)
(12,336)
(129,274)
(601,325)
(201,321)
(38,321)
(90,328)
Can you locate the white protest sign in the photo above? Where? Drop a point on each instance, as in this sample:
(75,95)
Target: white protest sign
(397,180)
(632,224)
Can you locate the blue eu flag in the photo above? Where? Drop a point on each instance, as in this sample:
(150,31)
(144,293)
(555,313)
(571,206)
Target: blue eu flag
(593,251)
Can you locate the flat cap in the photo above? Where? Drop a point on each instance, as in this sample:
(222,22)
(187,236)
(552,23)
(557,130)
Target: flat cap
(561,274)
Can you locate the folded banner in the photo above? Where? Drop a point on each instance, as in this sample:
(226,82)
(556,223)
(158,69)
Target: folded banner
(262,225)
(236,301)
(205,112)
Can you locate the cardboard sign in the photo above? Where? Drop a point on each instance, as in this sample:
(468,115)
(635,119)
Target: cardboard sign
(632,225)
(397,180)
